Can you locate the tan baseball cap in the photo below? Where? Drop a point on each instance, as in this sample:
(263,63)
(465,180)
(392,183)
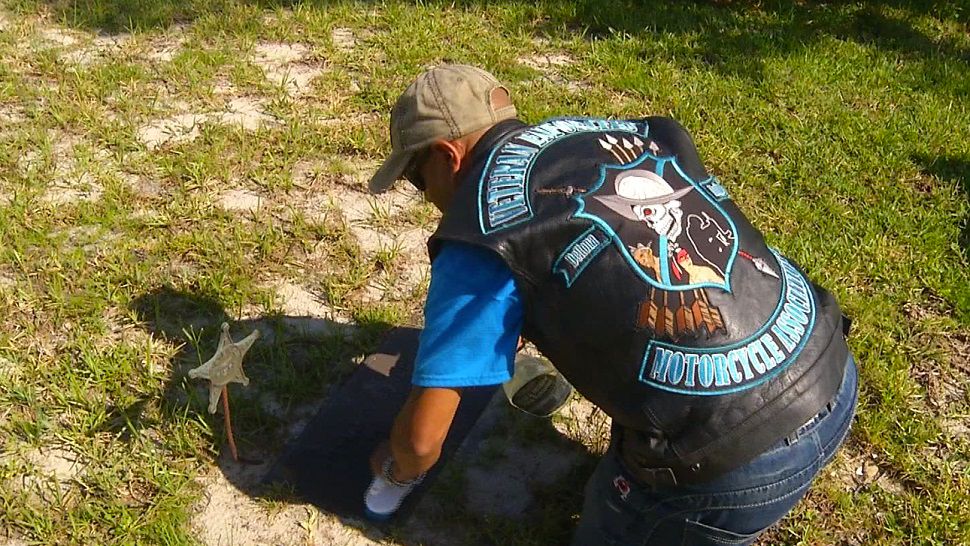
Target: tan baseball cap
(446,102)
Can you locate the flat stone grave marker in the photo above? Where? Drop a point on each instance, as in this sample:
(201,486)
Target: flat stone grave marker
(328,465)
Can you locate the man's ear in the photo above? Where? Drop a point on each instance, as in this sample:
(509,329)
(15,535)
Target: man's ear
(451,151)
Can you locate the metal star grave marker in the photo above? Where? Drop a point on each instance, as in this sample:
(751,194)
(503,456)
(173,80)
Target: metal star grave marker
(225,366)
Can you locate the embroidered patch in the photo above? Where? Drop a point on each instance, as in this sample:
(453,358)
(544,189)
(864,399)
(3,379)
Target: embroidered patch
(676,235)
(622,485)
(503,195)
(671,229)
(759,264)
(678,313)
(715,189)
(742,365)
(580,253)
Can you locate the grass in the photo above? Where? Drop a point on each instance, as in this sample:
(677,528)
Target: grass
(842,129)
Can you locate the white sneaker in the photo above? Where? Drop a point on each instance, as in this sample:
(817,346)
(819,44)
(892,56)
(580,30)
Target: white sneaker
(383,498)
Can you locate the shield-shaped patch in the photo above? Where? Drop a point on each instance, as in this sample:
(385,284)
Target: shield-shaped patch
(673,233)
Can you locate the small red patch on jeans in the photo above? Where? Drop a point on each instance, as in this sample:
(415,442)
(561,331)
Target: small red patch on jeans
(622,485)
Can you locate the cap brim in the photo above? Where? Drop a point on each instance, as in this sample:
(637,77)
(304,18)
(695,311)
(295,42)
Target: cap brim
(391,170)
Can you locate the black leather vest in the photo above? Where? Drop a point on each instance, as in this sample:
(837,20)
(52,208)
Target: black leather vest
(650,291)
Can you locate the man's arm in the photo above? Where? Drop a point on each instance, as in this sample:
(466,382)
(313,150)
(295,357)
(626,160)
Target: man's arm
(419,431)
(473,317)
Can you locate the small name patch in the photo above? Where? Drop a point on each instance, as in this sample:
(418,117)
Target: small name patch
(715,188)
(580,253)
(740,366)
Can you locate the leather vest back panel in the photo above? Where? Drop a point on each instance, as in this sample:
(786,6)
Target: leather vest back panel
(649,289)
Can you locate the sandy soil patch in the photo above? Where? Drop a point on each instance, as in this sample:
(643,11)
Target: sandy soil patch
(357,119)
(240,200)
(224,88)
(305,174)
(857,470)
(67,191)
(956,427)
(59,463)
(58,36)
(375,222)
(306,313)
(583,422)
(227,516)
(343,39)
(101,47)
(171,130)
(62,150)
(275,54)
(8,277)
(372,241)
(142,186)
(300,302)
(413,267)
(164,48)
(164,51)
(402,283)
(414,242)
(89,238)
(49,473)
(326,187)
(368,217)
(247,113)
(70,182)
(285,65)
(10,114)
(546,62)
(244,112)
(361,208)
(551,66)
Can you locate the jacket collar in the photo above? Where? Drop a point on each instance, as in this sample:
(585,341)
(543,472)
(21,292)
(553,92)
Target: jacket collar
(491,139)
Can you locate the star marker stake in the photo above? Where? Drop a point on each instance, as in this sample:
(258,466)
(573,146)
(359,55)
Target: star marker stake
(223,368)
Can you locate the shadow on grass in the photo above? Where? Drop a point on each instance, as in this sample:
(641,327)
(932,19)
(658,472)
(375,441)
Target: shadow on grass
(734,36)
(294,367)
(293,361)
(291,367)
(957,171)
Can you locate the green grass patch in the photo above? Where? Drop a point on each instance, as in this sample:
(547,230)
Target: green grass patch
(842,129)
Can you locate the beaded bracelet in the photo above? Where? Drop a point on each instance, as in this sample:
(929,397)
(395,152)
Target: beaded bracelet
(387,475)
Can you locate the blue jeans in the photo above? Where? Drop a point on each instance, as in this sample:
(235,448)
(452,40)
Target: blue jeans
(731,510)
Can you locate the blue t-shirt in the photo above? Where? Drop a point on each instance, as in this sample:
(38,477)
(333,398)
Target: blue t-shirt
(472,320)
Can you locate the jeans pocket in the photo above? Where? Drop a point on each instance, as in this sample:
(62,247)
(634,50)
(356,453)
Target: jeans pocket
(609,524)
(699,534)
